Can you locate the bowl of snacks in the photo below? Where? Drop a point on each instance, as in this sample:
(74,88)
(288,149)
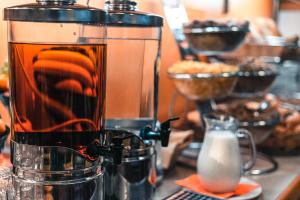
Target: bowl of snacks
(214,37)
(203,81)
(258,116)
(285,139)
(255,76)
(265,39)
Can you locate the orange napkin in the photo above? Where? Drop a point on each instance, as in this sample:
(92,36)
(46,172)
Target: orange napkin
(193,183)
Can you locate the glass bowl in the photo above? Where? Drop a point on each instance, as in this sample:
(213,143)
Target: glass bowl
(254,78)
(203,81)
(254,115)
(204,86)
(212,37)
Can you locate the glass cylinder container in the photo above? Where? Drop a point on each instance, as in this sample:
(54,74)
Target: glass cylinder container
(57,54)
(133,66)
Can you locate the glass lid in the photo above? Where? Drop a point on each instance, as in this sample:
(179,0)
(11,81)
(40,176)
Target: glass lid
(125,13)
(64,11)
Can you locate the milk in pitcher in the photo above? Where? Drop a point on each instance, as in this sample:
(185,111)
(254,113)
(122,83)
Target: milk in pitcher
(219,162)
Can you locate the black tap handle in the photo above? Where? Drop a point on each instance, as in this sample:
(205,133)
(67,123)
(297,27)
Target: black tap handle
(118,140)
(117,149)
(163,134)
(113,151)
(95,149)
(165,130)
(167,124)
(117,153)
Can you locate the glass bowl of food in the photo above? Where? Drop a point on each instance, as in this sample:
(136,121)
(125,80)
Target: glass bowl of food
(214,37)
(203,81)
(255,78)
(285,139)
(256,115)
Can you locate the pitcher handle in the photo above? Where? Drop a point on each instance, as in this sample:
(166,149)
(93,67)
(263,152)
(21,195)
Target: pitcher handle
(243,133)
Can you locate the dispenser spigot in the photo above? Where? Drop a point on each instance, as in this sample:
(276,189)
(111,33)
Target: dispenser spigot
(117,150)
(163,133)
(114,150)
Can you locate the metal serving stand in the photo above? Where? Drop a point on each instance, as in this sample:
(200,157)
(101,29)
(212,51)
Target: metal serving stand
(190,48)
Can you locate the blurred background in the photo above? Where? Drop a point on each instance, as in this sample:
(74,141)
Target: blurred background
(284,14)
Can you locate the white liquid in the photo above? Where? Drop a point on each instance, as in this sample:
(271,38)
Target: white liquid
(219,162)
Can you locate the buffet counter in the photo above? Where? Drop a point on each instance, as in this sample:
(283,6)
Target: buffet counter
(280,184)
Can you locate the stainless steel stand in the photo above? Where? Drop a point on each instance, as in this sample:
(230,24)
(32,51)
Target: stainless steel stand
(54,173)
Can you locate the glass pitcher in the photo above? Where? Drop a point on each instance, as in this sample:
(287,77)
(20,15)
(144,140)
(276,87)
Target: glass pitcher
(219,162)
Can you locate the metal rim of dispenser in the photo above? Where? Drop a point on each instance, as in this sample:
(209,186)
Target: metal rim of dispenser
(57,2)
(64,11)
(125,13)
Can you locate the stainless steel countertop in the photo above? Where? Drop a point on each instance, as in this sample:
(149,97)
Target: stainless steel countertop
(273,184)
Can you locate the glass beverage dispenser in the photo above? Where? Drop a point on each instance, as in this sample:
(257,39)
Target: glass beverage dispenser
(133,59)
(57,53)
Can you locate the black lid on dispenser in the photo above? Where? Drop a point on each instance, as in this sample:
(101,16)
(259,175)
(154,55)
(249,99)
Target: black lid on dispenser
(125,13)
(64,11)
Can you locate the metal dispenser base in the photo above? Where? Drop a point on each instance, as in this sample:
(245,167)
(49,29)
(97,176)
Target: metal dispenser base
(54,173)
(135,177)
(88,190)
